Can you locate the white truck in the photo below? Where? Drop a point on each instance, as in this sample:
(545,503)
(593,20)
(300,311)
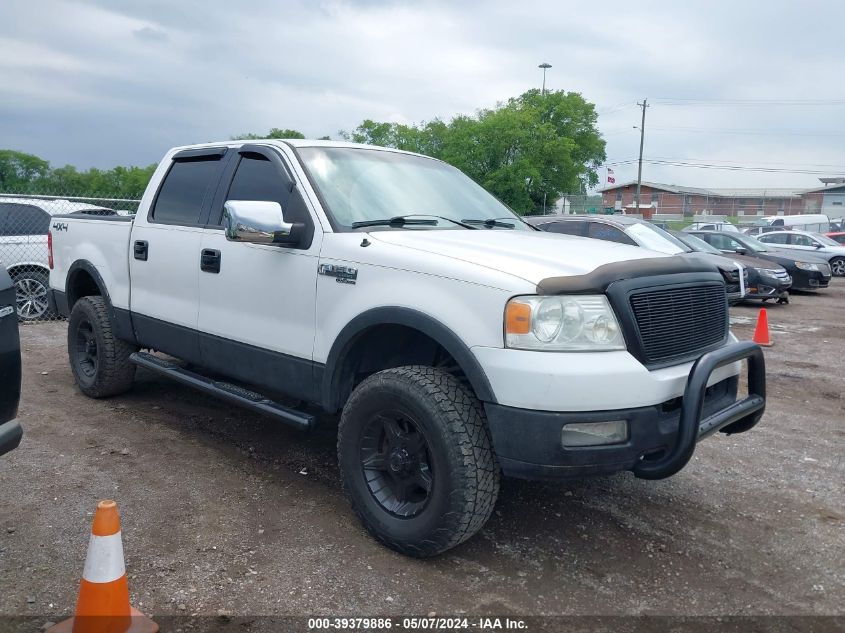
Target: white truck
(458,343)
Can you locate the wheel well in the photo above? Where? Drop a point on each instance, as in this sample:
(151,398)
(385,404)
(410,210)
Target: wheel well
(18,268)
(386,346)
(80,284)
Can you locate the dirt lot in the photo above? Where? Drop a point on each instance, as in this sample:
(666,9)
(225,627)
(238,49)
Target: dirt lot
(224,511)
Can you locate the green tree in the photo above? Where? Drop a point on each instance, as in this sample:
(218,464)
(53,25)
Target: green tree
(18,170)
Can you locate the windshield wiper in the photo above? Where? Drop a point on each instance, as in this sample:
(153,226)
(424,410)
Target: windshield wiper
(490,223)
(397,221)
(402,220)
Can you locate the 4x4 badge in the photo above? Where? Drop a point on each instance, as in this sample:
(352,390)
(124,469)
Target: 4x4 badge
(341,274)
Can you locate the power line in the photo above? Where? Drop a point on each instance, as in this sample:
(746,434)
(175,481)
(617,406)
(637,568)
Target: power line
(687,101)
(739,131)
(775,170)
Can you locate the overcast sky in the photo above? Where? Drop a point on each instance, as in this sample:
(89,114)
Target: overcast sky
(100,83)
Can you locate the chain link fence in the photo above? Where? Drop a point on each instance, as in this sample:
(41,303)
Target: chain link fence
(24,223)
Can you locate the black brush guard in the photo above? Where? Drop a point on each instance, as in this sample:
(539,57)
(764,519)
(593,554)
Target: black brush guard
(739,417)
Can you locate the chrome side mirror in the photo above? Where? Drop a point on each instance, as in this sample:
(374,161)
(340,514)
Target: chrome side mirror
(259,222)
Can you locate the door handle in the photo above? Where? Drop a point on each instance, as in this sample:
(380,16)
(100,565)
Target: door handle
(140,249)
(210,260)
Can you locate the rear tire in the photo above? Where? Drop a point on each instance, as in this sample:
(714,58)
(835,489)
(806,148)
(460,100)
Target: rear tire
(837,266)
(416,460)
(100,362)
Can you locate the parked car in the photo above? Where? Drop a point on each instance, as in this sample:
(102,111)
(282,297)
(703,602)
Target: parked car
(816,222)
(636,232)
(712,226)
(24,223)
(815,243)
(837,236)
(10,366)
(766,280)
(808,271)
(458,342)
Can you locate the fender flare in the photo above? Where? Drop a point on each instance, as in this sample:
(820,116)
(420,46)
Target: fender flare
(83,265)
(424,323)
(121,320)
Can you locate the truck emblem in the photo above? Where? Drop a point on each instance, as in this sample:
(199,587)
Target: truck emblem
(60,226)
(341,274)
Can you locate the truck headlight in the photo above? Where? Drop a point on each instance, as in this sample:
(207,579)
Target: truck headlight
(806,266)
(562,323)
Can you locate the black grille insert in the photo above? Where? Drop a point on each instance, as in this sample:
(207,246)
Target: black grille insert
(679,323)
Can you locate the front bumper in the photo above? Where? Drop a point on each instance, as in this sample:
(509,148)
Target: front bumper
(809,280)
(661,438)
(10,436)
(768,287)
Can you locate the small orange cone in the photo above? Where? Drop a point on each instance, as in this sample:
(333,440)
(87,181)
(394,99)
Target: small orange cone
(761,332)
(103,603)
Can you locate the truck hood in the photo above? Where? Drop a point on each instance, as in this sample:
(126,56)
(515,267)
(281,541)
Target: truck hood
(530,255)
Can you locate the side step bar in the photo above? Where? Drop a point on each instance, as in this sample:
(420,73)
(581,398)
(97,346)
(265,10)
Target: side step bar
(224,390)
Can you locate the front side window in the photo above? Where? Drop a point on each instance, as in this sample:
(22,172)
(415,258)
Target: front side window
(801,240)
(184,189)
(257,178)
(363,185)
(722,242)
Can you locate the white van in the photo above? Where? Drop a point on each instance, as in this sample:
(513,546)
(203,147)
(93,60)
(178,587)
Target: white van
(813,222)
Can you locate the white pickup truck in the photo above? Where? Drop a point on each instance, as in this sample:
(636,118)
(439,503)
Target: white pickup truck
(458,342)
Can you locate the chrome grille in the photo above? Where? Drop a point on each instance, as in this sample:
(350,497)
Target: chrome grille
(677,324)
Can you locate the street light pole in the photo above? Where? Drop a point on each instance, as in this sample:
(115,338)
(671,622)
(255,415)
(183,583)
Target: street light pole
(545,67)
(643,105)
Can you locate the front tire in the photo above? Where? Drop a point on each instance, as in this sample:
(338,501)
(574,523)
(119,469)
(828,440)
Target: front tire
(100,361)
(416,460)
(837,266)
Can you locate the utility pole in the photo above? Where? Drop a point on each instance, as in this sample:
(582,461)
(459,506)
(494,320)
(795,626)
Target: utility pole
(545,66)
(643,105)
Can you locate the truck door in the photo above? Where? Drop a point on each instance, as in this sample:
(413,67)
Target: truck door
(257,302)
(164,262)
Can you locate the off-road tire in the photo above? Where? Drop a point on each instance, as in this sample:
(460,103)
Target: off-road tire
(113,373)
(465,482)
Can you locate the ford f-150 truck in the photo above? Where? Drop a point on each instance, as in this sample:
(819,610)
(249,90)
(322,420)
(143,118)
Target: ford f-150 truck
(458,342)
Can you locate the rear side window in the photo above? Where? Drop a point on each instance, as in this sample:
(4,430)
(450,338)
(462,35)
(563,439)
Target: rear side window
(23,219)
(567,228)
(602,231)
(184,189)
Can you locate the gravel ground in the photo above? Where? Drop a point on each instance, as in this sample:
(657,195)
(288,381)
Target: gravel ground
(227,512)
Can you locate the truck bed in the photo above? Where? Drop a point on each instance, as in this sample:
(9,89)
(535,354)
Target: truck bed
(102,241)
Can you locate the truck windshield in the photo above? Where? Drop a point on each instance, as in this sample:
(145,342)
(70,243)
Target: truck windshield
(363,187)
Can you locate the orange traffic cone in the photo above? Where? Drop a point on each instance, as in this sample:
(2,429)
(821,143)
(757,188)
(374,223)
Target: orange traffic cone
(103,603)
(761,332)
